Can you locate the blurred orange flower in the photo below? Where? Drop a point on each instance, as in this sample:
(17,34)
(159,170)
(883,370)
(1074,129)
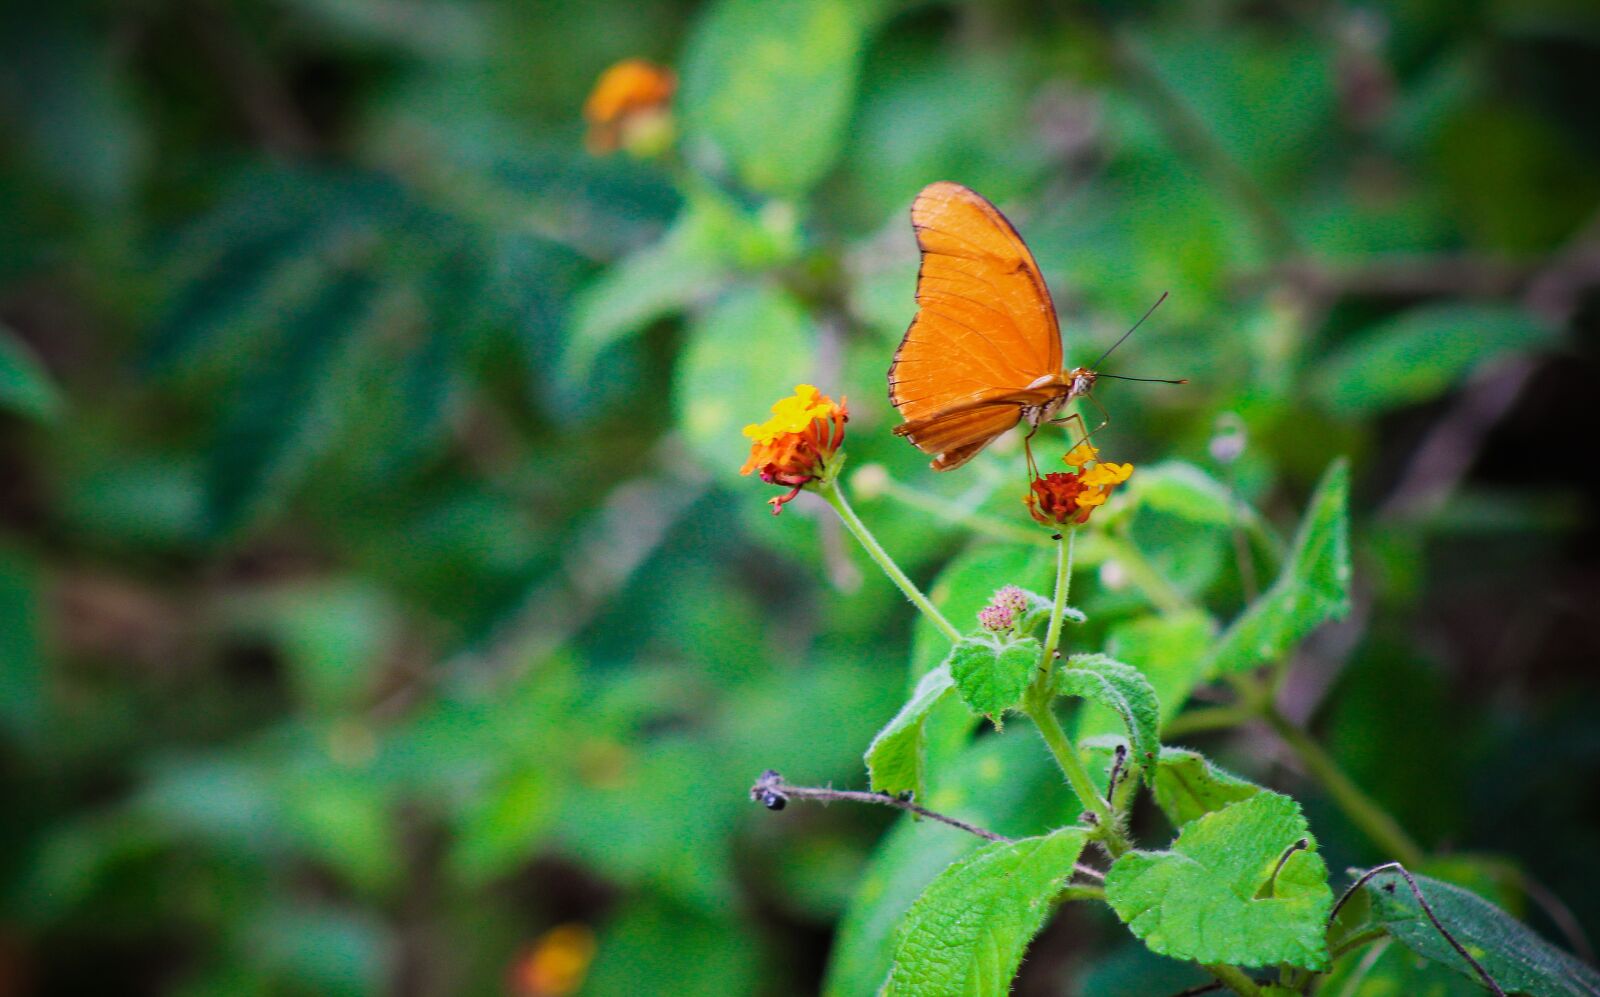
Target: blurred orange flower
(1062,497)
(629,107)
(556,964)
(794,446)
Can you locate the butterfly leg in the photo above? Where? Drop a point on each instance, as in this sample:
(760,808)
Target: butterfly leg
(1083,431)
(1082,428)
(1027,448)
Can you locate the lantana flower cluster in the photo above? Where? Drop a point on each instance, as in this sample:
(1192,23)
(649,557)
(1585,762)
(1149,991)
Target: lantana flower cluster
(1005,610)
(630,107)
(1062,497)
(794,447)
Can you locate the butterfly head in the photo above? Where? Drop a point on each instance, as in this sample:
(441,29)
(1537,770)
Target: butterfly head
(1080,381)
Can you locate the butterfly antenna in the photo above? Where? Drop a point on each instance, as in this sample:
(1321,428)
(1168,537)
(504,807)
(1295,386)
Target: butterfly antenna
(1136,325)
(1152,380)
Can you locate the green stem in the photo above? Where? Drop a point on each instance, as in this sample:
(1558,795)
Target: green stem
(833,494)
(1162,594)
(1038,705)
(1039,710)
(1235,980)
(1052,634)
(1357,941)
(957,514)
(1206,718)
(1362,810)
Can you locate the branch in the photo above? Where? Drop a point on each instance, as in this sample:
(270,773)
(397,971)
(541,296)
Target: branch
(773,793)
(1427,908)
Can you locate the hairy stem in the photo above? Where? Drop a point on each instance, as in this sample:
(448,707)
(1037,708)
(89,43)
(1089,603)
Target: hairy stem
(1362,810)
(1235,980)
(956,513)
(1162,594)
(1356,941)
(1052,634)
(1037,704)
(833,494)
(771,791)
(1206,718)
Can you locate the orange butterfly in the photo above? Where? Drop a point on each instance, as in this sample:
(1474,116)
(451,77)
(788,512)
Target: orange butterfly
(984,351)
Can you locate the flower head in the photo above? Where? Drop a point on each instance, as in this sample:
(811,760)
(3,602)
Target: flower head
(629,107)
(794,447)
(1062,497)
(997,619)
(1006,607)
(556,964)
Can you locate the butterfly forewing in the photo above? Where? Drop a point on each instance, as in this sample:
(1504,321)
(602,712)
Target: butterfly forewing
(984,341)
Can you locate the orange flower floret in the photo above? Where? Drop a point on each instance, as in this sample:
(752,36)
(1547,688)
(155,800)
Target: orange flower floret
(630,93)
(794,446)
(1062,497)
(556,964)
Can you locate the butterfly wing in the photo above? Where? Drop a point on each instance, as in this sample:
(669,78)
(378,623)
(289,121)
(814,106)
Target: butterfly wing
(956,437)
(985,338)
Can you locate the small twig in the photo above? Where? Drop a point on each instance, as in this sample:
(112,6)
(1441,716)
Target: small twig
(773,793)
(1117,771)
(1416,891)
(1269,888)
(1204,988)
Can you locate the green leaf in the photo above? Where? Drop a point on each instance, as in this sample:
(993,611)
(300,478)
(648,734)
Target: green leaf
(1187,785)
(25,387)
(504,824)
(1171,651)
(1421,354)
(1313,586)
(282,416)
(1003,783)
(990,674)
(966,584)
(768,87)
(1206,899)
(747,352)
(710,240)
(1184,490)
(895,760)
(677,949)
(651,283)
(1123,689)
(1388,969)
(967,932)
(1519,960)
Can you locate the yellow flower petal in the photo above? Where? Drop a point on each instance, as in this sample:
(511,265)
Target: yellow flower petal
(1105,475)
(1081,454)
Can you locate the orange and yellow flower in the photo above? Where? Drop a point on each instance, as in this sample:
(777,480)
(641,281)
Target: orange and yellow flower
(630,107)
(793,447)
(1062,497)
(556,964)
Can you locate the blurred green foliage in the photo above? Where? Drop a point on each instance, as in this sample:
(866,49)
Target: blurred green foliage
(377,588)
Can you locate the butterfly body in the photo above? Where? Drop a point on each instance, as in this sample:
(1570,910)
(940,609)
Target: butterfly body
(984,351)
